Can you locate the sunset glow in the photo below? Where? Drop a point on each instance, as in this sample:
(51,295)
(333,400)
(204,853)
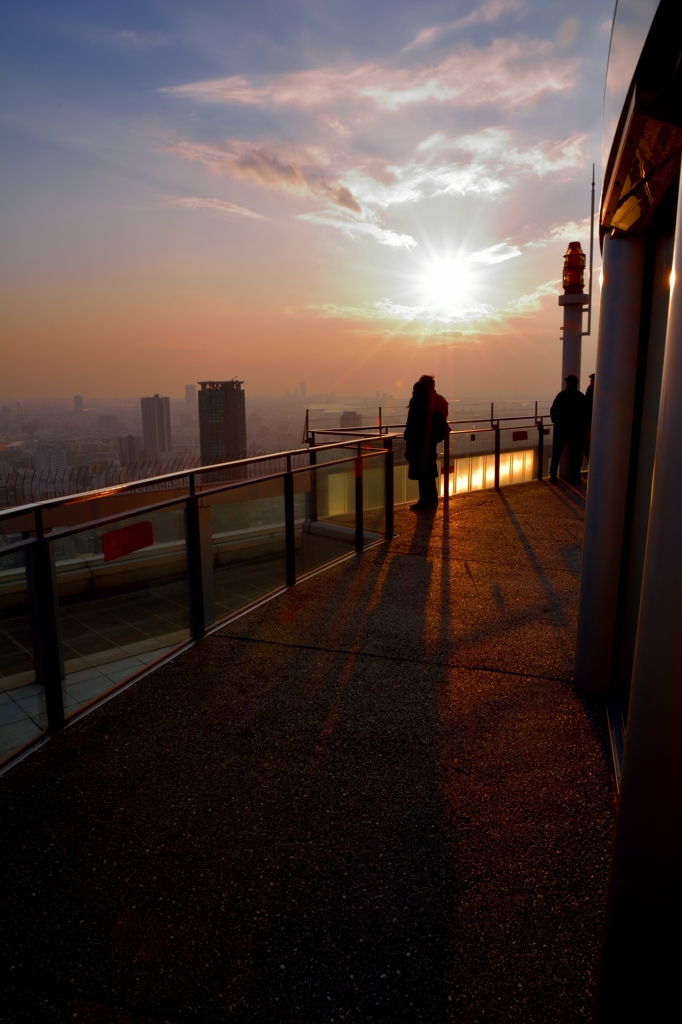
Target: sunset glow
(206,191)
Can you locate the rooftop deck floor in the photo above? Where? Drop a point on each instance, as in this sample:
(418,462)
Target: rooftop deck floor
(375,798)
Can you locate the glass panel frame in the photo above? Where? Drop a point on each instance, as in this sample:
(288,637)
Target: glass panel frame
(243,546)
(123,602)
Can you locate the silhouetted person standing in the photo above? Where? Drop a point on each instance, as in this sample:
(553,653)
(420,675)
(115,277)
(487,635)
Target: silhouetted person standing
(589,403)
(426,426)
(568,417)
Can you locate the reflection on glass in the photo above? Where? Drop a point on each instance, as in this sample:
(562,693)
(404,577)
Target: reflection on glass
(374,495)
(324,500)
(123,600)
(23,715)
(244,530)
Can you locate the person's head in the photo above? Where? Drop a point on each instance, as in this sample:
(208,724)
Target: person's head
(429,380)
(420,393)
(572,382)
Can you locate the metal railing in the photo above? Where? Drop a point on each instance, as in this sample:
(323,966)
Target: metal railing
(95,587)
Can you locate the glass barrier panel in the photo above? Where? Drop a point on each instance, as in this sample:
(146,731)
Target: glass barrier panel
(324,499)
(23,714)
(374,495)
(123,600)
(404,489)
(243,532)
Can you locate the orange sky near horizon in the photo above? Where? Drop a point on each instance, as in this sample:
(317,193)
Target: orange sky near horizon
(350,203)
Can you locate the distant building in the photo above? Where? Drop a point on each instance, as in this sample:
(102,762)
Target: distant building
(107,424)
(302,389)
(191,400)
(78,404)
(156,430)
(129,449)
(50,461)
(222,421)
(351,419)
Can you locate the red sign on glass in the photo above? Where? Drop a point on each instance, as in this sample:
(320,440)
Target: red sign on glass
(121,542)
(520,435)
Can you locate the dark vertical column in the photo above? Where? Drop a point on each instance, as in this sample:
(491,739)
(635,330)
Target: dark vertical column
(614,398)
(639,979)
(541,444)
(497,455)
(643,453)
(389,485)
(289,527)
(312,459)
(359,503)
(47,649)
(194,567)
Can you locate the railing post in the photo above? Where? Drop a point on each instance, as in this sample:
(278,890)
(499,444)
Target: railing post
(389,499)
(380,423)
(446,467)
(197,618)
(289,529)
(45,625)
(497,456)
(312,461)
(541,443)
(359,503)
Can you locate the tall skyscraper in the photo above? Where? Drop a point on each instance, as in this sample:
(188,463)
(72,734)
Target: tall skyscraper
(156,431)
(301,389)
(78,403)
(222,421)
(191,399)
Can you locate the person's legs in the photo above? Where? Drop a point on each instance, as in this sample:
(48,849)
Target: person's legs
(428,494)
(558,442)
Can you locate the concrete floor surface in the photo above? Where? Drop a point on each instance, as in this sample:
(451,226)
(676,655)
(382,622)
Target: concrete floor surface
(375,798)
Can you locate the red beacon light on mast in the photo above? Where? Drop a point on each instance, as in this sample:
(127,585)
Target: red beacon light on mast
(574,269)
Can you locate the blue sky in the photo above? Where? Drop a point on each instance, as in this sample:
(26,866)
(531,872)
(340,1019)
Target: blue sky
(256,189)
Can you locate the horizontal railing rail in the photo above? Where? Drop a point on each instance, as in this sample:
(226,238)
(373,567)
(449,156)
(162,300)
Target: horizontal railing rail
(236,541)
(197,547)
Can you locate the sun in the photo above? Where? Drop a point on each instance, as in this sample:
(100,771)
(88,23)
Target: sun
(447,284)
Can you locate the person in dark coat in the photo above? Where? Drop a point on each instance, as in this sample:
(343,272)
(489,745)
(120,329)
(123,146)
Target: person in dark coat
(568,417)
(426,426)
(589,403)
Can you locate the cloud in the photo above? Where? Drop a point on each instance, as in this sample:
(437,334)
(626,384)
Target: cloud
(357,228)
(486,12)
(507,72)
(495,253)
(220,205)
(484,163)
(569,232)
(531,303)
(297,169)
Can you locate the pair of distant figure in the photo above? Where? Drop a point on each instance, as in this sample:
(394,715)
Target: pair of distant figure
(427,425)
(571,414)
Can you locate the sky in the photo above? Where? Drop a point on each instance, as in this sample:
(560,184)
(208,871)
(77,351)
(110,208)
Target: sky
(349,194)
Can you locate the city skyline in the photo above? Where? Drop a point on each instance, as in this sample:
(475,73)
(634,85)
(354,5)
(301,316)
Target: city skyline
(351,197)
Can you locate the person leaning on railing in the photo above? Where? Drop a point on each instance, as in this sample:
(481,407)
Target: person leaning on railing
(426,426)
